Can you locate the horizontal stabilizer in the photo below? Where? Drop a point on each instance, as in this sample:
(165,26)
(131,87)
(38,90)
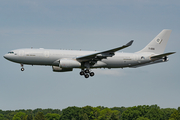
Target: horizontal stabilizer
(153,62)
(162,55)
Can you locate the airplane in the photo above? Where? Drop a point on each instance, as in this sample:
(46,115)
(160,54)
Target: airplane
(67,60)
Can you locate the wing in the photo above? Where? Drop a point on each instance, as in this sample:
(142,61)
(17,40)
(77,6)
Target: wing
(102,55)
(162,55)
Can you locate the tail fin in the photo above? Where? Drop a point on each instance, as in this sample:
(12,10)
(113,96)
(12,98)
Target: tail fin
(158,44)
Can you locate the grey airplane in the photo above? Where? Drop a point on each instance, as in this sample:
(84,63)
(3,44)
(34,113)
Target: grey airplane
(67,60)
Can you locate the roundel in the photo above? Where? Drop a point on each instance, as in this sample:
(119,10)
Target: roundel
(159,40)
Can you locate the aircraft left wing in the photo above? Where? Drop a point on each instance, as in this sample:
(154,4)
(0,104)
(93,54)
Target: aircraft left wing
(102,55)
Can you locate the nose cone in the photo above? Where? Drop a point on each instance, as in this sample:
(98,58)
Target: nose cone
(5,56)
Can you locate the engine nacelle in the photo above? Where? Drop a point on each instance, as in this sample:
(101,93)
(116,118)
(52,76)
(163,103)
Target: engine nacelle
(58,69)
(69,63)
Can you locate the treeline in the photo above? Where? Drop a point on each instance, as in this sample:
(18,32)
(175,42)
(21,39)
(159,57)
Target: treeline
(144,112)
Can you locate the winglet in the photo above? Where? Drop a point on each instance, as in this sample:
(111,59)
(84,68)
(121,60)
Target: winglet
(129,43)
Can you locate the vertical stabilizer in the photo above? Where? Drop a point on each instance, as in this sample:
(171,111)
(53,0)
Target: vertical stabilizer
(158,44)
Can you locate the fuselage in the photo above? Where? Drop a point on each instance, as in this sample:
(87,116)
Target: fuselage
(52,57)
(67,60)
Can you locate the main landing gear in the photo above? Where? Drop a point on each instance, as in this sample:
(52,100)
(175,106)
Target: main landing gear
(22,69)
(86,73)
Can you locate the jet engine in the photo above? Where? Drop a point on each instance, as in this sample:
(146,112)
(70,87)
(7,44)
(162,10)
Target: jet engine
(58,69)
(69,63)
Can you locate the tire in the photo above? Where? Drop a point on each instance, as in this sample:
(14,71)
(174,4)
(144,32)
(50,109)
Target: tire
(81,73)
(86,76)
(92,74)
(86,71)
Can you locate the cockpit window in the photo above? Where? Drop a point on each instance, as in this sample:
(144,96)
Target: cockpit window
(10,52)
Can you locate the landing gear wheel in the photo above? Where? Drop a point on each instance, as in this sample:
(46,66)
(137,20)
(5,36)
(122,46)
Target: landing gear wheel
(22,69)
(81,73)
(86,71)
(91,74)
(86,76)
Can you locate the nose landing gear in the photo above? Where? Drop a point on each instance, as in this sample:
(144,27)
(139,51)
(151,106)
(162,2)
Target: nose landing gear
(22,69)
(86,73)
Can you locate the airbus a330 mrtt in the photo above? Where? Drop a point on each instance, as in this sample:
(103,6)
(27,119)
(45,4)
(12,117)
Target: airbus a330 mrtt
(67,60)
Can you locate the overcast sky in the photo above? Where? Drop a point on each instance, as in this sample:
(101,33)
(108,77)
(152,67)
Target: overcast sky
(88,25)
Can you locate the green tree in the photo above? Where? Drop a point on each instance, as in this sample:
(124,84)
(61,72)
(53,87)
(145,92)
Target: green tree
(120,109)
(52,116)
(175,115)
(8,115)
(115,115)
(96,112)
(142,118)
(30,117)
(88,112)
(101,107)
(20,116)
(39,116)
(70,113)
(105,114)
(2,117)
(132,113)
(167,113)
(171,119)
(154,113)
(84,117)
(179,109)
(36,111)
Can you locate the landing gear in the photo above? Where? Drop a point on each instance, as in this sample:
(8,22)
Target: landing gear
(86,73)
(91,74)
(86,76)
(82,72)
(22,69)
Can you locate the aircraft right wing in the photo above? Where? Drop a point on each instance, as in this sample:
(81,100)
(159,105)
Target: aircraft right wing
(102,55)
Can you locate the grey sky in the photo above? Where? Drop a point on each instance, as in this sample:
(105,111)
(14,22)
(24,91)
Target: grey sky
(88,25)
